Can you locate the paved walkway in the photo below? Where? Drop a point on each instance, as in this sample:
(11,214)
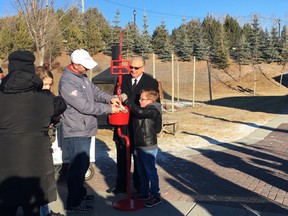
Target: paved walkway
(248,177)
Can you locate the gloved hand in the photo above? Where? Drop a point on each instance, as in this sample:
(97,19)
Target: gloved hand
(123,97)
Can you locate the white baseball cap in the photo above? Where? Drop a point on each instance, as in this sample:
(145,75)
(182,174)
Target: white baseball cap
(81,56)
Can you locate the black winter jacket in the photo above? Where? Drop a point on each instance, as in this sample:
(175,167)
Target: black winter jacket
(147,122)
(26,166)
(147,82)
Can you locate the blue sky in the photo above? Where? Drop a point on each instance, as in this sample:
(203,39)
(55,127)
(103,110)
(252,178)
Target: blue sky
(173,11)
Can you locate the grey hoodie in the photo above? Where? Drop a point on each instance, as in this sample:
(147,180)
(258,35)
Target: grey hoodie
(84,102)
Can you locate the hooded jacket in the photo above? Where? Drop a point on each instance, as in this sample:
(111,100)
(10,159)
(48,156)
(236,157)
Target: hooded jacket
(26,166)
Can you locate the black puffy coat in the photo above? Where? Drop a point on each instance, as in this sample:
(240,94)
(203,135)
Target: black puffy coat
(26,166)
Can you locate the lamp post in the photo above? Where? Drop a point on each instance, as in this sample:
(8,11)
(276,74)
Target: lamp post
(279,23)
(134,14)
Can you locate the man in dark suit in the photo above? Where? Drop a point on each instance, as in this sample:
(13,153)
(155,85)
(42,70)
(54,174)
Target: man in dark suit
(132,84)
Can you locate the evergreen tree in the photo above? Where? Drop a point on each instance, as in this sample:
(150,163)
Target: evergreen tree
(198,41)
(116,30)
(143,45)
(264,45)
(242,52)
(254,41)
(246,31)
(214,32)
(182,45)
(76,38)
(71,27)
(161,42)
(232,32)
(132,34)
(113,34)
(93,36)
(284,45)
(220,55)
(65,21)
(276,44)
(6,44)
(22,38)
(211,29)
(269,48)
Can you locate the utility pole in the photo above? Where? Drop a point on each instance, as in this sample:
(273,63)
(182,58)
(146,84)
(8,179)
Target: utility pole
(279,23)
(83,7)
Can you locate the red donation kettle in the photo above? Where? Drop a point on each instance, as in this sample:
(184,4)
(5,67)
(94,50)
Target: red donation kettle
(121,118)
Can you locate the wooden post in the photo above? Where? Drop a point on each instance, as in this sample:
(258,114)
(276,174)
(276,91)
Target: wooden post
(161,94)
(281,78)
(209,79)
(154,68)
(178,83)
(254,81)
(193,83)
(172,91)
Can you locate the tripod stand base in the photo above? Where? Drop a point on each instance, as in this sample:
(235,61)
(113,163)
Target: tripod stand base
(128,205)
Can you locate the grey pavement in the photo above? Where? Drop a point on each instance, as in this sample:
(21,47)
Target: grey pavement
(246,177)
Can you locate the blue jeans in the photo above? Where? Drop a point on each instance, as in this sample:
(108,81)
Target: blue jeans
(44,210)
(146,161)
(79,155)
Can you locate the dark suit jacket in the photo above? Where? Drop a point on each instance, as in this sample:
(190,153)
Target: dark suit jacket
(147,82)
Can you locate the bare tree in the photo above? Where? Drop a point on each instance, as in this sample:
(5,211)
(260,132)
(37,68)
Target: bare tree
(41,22)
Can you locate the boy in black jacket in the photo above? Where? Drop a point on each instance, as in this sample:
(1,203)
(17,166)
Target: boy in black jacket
(147,123)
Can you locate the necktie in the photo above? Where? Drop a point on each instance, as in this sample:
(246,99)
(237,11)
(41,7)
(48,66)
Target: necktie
(134,84)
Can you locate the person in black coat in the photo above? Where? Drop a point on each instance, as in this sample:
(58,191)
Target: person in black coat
(27,176)
(132,84)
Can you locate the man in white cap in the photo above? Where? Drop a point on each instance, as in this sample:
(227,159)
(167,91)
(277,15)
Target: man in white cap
(84,102)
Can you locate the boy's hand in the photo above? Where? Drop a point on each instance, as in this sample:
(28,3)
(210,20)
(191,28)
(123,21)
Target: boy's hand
(123,97)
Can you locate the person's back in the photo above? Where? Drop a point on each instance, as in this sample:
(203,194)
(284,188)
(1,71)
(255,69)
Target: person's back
(26,168)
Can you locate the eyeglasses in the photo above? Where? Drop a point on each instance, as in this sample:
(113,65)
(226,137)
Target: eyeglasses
(136,68)
(142,99)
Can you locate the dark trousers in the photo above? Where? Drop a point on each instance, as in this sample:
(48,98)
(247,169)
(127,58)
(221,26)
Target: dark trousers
(28,210)
(79,155)
(121,181)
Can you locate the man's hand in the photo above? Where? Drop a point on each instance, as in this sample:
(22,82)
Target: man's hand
(115,101)
(115,108)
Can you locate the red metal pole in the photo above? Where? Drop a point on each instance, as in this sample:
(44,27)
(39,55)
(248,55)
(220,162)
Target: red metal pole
(128,159)
(127,204)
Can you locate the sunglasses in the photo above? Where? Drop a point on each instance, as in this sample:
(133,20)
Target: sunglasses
(136,68)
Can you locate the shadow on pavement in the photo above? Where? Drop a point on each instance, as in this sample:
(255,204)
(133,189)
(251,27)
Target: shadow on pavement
(103,204)
(208,186)
(267,104)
